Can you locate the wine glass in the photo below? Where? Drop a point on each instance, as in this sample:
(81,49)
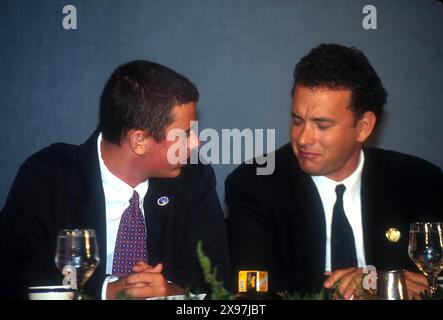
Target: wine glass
(76,257)
(426,250)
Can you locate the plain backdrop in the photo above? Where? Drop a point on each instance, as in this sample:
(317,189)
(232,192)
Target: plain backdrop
(239,53)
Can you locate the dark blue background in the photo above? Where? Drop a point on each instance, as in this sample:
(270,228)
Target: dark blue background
(240,54)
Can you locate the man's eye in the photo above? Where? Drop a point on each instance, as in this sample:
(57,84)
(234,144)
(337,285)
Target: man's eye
(297,122)
(323,127)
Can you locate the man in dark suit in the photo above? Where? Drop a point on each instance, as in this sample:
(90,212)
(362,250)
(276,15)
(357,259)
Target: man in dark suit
(123,173)
(331,206)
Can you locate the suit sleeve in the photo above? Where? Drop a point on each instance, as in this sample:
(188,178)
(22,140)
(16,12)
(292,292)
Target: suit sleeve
(25,236)
(251,227)
(204,222)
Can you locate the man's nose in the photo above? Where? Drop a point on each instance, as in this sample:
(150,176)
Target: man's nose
(307,136)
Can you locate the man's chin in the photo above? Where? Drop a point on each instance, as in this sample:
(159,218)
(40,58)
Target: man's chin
(175,172)
(171,173)
(311,170)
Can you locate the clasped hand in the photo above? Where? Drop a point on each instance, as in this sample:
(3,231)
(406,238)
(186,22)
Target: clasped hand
(348,284)
(146,281)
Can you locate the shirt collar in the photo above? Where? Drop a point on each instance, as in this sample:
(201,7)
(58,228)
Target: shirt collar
(116,190)
(352,182)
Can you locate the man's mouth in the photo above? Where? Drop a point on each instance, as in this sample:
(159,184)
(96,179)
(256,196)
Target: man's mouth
(307,155)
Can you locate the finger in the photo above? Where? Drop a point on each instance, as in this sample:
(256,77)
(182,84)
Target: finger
(414,293)
(141,266)
(337,296)
(158,268)
(416,277)
(145,277)
(345,284)
(352,286)
(149,290)
(144,267)
(416,284)
(415,288)
(336,276)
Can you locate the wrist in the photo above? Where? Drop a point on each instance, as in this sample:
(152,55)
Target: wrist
(108,279)
(112,288)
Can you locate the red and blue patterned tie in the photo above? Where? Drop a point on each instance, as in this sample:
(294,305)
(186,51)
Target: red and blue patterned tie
(130,246)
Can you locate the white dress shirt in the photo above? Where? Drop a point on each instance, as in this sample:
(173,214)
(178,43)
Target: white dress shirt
(117,195)
(351,205)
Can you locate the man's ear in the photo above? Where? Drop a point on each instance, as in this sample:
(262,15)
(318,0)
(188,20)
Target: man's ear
(365,126)
(138,141)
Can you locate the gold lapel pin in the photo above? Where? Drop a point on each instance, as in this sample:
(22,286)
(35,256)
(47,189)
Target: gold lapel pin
(393,234)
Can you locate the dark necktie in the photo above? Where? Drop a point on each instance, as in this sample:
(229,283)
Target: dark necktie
(342,238)
(130,245)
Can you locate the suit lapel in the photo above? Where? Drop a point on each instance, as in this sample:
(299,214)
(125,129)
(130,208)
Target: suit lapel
(368,209)
(158,214)
(377,203)
(309,223)
(313,224)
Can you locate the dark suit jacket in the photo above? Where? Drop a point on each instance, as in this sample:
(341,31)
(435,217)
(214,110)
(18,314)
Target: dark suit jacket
(60,187)
(276,222)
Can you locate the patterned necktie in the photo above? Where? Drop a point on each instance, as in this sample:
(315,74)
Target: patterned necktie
(342,238)
(130,245)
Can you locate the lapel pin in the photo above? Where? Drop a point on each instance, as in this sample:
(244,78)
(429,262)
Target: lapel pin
(162,201)
(393,234)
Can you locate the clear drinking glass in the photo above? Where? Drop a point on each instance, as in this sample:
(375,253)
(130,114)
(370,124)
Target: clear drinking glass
(77,257)
(426,250)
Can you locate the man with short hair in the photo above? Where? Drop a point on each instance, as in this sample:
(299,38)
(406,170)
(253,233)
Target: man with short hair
(120,177)
(331,207)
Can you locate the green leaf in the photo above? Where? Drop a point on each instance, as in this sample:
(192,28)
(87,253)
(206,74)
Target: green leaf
(218,291)
(438,294)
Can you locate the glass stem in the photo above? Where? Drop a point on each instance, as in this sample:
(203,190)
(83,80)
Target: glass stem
(79,293)
(432,285)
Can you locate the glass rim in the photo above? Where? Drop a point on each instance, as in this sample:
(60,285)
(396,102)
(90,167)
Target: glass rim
(423,226)
(75,232)
(392,271)
(420,223)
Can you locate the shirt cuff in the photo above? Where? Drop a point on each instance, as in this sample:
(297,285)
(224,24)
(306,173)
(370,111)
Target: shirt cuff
(107,280)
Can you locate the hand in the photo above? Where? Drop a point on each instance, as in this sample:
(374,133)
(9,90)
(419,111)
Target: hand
(146,281)
(415,283)
(142,266)
(348,283)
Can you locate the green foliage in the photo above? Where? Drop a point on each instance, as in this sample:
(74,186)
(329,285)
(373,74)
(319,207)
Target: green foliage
(218,291)
(327,294)
(438,294)
(124,296)
(298,296)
